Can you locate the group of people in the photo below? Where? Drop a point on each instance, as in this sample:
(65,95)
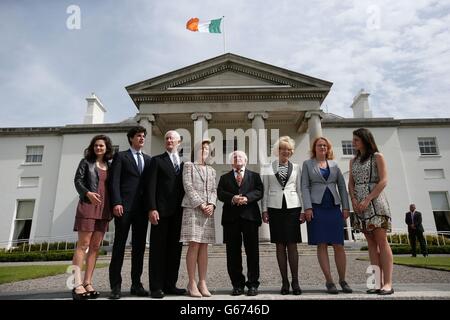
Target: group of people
(179,199)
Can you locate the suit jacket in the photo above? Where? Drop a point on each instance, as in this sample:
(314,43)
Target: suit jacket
(164,188)
(274,189)
(417,221)
(125,182)
(251,187)
(314,184)
(199,188)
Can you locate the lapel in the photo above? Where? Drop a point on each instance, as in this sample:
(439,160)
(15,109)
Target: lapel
(290,168)
(317,169)
(245,179)
(169,163)
(130,157)
(277,175)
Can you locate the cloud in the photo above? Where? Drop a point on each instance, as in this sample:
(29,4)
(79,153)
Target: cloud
(398,51)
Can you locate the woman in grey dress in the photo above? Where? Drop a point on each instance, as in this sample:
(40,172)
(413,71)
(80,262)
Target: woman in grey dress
(367,180)
(197,227)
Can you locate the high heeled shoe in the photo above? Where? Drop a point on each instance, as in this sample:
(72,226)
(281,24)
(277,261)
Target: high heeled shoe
(81,295)
(93,294)
(285,288)
(194,293)
(296,288)
(204,291)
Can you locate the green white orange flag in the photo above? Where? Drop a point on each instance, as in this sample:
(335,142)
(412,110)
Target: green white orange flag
(211,26)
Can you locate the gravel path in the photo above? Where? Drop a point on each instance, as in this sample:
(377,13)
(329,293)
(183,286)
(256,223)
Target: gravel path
(310,275)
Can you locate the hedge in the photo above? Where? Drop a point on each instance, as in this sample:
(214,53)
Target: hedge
(406,249)
(65,255)
(45,246)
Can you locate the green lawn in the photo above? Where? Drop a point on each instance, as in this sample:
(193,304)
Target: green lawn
(17,273)
(438,263)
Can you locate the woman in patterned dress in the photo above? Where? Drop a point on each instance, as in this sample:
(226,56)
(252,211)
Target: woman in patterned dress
(367,180)
(197,227)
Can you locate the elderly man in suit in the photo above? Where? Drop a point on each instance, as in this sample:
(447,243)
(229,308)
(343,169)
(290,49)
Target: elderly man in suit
(240,190)
(413,219)
(164,193)
(126,192)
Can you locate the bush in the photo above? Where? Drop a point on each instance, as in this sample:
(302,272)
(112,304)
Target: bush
(432,239)
(63,255)
(406,249)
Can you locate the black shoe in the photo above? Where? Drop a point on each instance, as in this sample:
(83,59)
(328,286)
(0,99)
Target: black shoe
(157,294)
(386,292)
(285,288)
(252,291)
(115,294)
(175,291)
(296,288)
(345,287)
(93,294)
(138,290)
(79,296)
(237,291)
(331,288)
(373,291)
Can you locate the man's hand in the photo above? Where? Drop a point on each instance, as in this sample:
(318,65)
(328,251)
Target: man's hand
(265,217)
(118,210)
(153,216)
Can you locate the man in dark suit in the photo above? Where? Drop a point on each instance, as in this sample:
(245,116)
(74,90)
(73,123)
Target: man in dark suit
(239,190)
(413,219)
(126,191)
(164,193)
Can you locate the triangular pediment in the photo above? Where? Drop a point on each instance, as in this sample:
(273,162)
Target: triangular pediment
(228,71)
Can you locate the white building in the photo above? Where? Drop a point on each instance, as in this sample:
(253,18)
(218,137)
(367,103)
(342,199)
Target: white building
(38,199)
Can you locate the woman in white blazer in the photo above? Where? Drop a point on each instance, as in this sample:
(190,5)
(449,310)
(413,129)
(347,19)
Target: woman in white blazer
(282,208)
(323,193)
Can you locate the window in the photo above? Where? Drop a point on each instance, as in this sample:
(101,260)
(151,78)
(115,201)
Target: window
(24,218)
(27,182)
(34,154)
(441,210)
(347,148)
(434,174)
(428,146)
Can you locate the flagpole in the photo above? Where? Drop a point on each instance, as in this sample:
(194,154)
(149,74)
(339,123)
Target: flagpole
(223,33)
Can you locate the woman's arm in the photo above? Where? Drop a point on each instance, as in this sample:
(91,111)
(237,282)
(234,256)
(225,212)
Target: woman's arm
(194,198)
(382,175)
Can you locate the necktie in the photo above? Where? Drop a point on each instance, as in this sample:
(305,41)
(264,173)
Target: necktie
(239,177)
(176,166)
(139,161)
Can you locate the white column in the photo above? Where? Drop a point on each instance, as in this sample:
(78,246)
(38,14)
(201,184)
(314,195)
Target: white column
(314,124)
(258,124)
(200,127)
(146,120)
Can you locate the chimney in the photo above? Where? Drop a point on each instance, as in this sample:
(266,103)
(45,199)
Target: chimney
(95,111)
(360,105)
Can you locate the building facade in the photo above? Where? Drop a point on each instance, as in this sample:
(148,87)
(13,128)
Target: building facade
(238,103)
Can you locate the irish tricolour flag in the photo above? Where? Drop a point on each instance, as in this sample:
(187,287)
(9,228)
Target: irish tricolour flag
(211,26)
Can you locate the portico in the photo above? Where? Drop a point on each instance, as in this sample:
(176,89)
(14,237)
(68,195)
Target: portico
(231,93)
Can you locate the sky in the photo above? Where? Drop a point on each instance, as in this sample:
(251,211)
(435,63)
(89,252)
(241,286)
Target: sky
(398,51)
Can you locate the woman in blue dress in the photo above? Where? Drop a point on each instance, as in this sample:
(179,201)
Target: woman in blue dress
(323,193)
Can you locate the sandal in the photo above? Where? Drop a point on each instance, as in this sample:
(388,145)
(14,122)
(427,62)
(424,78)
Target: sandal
(79,296)
(92,294)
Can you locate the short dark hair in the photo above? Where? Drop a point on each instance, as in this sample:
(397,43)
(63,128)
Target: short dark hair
(133,131)
(89,153)
(369,143)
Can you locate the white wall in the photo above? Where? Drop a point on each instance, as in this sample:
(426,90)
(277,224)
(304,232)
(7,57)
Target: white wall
(415,164)
(12,159)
